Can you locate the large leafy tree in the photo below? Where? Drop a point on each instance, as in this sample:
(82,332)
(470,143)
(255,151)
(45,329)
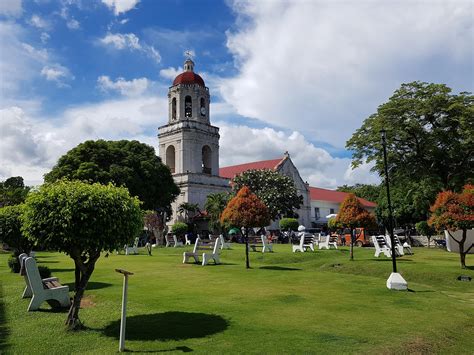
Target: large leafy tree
(353,215)
(81,220)
(13,191)
(215,205)
(124,163)
(455,211)
(10,229)
(245,210)
(366,191)
(430,135)
(277,192)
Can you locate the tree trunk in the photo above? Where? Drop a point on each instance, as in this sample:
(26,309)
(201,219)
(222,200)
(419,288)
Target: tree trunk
(352,245)
(247,263)
(83,273)
(462,254)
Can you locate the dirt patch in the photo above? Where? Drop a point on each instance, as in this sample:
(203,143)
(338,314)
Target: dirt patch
(418,346)
(87,302)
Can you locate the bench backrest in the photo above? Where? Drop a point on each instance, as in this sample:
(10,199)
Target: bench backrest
(34,278)
(200,245)
(380,241)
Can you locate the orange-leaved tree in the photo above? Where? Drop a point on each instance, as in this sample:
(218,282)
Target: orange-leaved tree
(353,215)
(245,210)
(455,211)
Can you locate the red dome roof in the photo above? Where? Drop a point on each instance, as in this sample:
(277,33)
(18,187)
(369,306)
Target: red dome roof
(188,78)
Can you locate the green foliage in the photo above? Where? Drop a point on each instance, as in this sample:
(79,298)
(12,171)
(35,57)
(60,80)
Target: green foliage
(81,220)
(73,216)
(369,192)
(44,271)
(333,225)
(124,163)
(215,205)
(430,136)
(189,210)
(179,228)
(424,229)
(10,229)
(289,224)
(13,191)
(276,191)
(14,264)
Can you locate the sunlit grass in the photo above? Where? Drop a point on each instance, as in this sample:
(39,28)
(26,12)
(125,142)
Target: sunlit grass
(287,303)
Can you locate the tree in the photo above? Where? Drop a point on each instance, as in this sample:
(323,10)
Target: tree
(155,223)
(189,210)
(366,191)
(425,229)
(10,229)
(179,228)
(455,211)
(124,163)
(430,136)
(289,224)
(13,191)
(215,205)
(81,220)
(245,210)
(353,215)
(277,192)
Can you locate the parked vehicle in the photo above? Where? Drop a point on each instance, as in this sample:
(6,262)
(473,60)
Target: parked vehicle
(362,238)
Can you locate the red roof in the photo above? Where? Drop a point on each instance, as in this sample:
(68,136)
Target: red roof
(334,196)
(231,171)
(188,78)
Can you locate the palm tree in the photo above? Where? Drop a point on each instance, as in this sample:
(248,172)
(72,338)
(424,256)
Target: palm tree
(187,208)
(214,206)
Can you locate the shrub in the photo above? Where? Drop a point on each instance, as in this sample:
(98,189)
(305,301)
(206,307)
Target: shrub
(44,271)
(289,223)
(14,264)
(179,228)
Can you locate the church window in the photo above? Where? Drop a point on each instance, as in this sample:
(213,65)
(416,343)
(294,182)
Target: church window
(173,108)
(316,213)
(206,160)
(170,158)
(188,106)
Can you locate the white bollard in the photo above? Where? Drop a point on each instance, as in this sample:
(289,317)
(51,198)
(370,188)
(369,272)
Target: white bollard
(124,307)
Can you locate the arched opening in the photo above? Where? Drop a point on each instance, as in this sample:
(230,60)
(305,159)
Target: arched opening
(188,106)
(206,160)
(170,158)
(173,108)
(203,107)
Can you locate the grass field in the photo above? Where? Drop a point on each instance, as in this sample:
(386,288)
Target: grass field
(287,303)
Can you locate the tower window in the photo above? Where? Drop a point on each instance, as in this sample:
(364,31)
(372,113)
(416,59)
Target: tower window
(203,107)
(188,106)
(170,158)
(206,160)
(173,108)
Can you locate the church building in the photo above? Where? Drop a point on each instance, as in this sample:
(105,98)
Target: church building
(189,145)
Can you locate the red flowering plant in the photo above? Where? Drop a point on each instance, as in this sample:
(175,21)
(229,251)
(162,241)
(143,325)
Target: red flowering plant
(455,211)
(245,210)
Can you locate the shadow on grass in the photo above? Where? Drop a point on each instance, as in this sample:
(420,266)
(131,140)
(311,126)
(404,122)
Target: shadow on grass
(390,260)
(279,268)
(3,325)
(90,285)
(470,267)
(168,326)
(58,269)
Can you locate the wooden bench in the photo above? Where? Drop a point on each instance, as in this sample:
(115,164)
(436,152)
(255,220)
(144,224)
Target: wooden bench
(306,240)
(133,249)
(326,242)
(381,246)
(398,245)
(260,242)
(209,251)
(224,244)
(49,290)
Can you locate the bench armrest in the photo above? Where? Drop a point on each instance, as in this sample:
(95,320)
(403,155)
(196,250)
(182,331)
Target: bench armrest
(49,279)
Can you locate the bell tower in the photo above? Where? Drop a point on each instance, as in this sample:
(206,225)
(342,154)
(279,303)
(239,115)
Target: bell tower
(189,144)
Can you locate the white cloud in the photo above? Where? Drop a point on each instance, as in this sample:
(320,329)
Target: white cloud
(120,6)
(323,67)
(38,22)
(153,53)
(11,8)
(73,24)
(315,165)
(57,73)
(122,41)
(135,87)
(170,72)
(40,54)
(44,37)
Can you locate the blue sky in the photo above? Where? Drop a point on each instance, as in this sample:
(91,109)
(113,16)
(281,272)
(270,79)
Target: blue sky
(287,75)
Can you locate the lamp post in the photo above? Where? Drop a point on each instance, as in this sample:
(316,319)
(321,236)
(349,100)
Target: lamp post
(395,281)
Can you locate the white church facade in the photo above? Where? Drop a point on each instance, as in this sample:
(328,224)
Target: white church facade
(189,146)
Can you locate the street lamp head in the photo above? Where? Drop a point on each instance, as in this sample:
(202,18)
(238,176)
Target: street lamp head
(383,133)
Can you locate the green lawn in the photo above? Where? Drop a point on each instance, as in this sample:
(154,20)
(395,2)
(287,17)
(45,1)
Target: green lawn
(287,303)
